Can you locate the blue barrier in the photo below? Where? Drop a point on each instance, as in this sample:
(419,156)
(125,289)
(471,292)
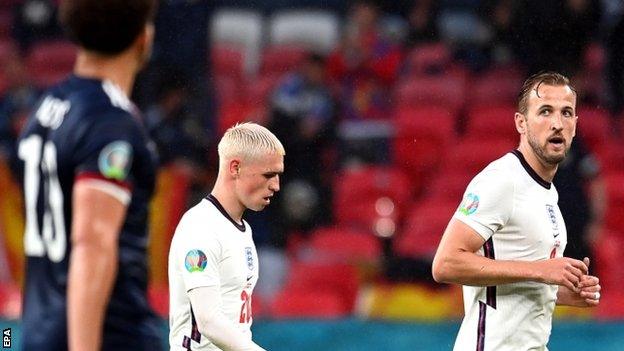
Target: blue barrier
(363,335)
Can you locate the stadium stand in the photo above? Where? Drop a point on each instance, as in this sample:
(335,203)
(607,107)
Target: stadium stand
(316,30)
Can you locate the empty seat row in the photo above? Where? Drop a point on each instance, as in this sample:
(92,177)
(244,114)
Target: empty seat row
(317,30)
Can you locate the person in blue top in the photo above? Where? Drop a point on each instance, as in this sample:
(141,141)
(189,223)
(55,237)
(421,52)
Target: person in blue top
(89,172)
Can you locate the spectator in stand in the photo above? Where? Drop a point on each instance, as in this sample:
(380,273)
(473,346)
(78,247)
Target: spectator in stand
(497,15)
(176,134)
(181,48)
(15,106)
(615,72)
(422,18)
(553,34)
(35,20)
(179,137)
(303,118)
(364,66)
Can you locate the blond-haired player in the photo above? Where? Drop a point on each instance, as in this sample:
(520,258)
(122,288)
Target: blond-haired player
(505,242)
(213,264)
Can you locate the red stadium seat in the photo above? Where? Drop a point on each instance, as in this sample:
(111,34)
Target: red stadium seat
(473,154)
(158,297)
(611,156)
(236,112)
(49,62)
(608,266)
(342,245)
(3,84)
(487,121)
(258,306)
(227,60)
(369,185)
(594,126)
(445,91)
(614,216)
(335,278)
(379,216)
(423,135)
(281,59)
(227,89)
(450,185)
(6,21)
(428,58)
(309,304)
(8,52)
(7,49)
(590,82)
(424,227)
(259,89)
(595,57)
(498,86)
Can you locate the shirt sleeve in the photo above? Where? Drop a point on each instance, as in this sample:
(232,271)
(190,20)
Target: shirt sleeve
(211,322)
(487,204)
(198,255)
(105,153)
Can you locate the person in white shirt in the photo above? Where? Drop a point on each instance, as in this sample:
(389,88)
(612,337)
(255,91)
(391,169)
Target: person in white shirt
(213,264)
(506,240)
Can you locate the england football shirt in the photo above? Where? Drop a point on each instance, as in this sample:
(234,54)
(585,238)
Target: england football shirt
(210,249)
(516,213)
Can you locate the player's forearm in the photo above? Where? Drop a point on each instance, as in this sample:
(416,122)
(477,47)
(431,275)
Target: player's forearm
(468,268)
(225,334)
(92,273)
(214,325)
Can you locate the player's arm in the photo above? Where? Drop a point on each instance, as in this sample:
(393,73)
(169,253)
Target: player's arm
(97,219)
(456,261)
(213,324)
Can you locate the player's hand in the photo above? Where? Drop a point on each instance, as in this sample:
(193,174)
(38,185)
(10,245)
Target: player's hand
(590,290)
(590,287)
(563,271)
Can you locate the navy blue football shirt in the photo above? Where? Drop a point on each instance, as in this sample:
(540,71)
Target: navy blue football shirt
(85,129)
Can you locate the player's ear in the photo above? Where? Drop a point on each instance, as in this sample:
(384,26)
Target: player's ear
(143,42)
(234,167)
(520,121)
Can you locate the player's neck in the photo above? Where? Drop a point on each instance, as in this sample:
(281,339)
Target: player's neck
(230,204)
(544,170)
(116,69)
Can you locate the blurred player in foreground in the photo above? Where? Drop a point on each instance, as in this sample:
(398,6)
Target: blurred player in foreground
(213,264)
(505,242)
(88,177)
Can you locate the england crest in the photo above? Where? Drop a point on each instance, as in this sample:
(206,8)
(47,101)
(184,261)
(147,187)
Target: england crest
(553,220)
(249,258)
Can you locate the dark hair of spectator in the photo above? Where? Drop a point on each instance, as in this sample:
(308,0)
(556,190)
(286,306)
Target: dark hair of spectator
(105,26)
(316,58)
(534,82)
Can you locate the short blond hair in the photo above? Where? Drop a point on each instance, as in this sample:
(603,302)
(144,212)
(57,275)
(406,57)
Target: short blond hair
(248,140)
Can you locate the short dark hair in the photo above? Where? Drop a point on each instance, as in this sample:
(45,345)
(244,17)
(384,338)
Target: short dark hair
(105,26)
(534,82)
(316,58)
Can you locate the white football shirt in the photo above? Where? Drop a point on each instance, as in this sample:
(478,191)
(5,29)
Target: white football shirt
(516,212)
(210,249)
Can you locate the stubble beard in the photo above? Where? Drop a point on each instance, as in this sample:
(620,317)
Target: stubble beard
(540,151)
